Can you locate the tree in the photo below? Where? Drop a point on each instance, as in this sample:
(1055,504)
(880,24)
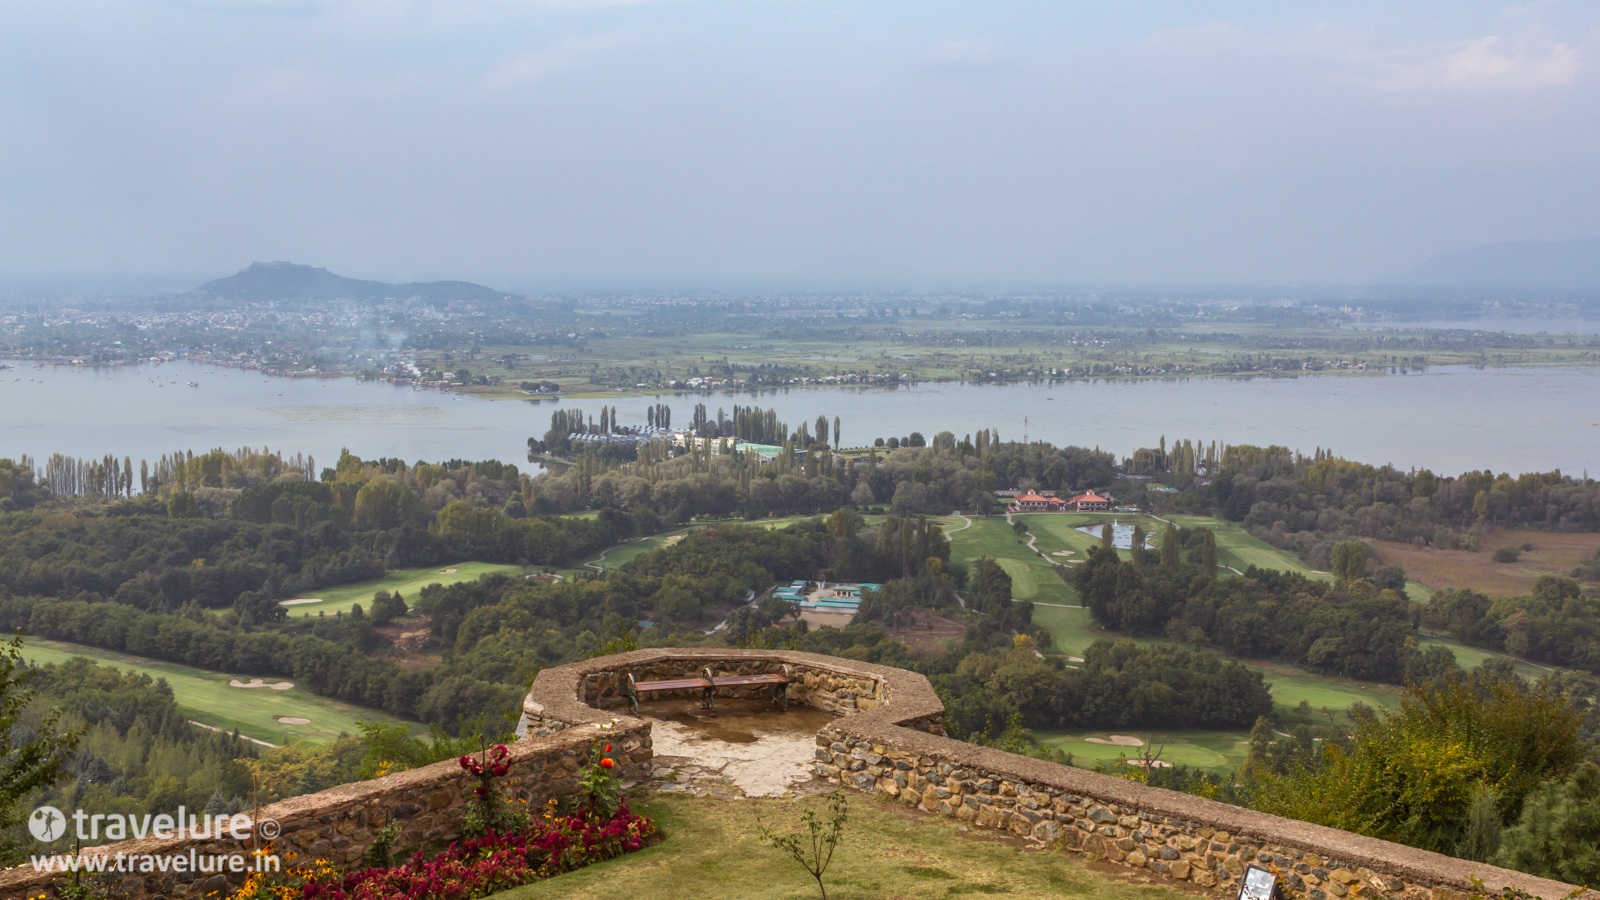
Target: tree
(1208,550)
(1558,834)
(813,849)
(30,758)
(1107,536)
(1412,775)
(1169,547)
(182,505)
(1349,561)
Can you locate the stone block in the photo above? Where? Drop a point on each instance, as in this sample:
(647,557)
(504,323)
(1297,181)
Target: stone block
(1179,870)
(1233,866)
(1100,815)
(1137,859)
(1344,876)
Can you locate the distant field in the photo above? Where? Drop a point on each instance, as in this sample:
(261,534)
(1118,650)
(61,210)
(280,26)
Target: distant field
(206,697)
(1471,657)
(616,556)
(1200,748)
(406,581)
(1290,686)
(1032,578)
(1553,554)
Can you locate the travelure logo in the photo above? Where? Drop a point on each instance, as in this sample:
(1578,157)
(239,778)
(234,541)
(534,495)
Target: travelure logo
(47,824)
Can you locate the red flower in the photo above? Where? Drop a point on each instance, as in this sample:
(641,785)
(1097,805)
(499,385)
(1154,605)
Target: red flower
(606,763)
(608,748)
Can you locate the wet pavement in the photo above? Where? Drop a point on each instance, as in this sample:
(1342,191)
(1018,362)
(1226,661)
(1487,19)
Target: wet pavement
(746,748)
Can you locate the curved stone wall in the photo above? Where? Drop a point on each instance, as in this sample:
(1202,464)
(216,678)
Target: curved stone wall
(889,740)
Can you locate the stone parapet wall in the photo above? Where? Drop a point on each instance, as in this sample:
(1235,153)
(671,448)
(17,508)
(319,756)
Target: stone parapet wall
(1173,835)
(566,695)
(340,824)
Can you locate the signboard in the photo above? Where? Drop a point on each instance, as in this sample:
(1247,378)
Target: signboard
(1257,884)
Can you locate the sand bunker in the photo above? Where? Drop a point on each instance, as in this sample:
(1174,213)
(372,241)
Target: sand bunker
(293,720)
(256,682)
(1061,553)
(1118,740)
(300,601)
(674,539)
(1154,763)
(447,571)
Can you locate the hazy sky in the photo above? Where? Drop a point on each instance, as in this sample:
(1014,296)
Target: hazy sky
(920,143)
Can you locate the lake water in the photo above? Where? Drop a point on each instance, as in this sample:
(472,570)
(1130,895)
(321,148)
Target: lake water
(1448,419)
(1122,535)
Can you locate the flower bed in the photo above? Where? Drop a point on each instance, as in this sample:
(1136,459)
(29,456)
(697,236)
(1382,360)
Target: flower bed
(510,850)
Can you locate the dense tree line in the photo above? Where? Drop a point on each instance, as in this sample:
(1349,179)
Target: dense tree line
(138,754)
(1353,628)
(1555,625)
(1310,503)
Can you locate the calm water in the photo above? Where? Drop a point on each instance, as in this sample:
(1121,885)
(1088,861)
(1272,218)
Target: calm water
(1122,535)
(1449,419)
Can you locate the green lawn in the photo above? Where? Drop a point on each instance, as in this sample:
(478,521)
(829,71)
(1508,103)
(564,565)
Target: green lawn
(1200,748)
(1471,657)
(710,852)
(206,697)
(1290,686)
(1031,577)
(406,581)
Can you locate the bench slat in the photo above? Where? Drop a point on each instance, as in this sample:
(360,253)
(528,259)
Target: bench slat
(720,681)
(677,685)
(742,680)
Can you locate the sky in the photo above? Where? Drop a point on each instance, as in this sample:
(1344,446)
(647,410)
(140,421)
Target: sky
(528,143)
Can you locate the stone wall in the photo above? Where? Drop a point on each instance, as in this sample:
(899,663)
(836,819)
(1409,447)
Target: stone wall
(1172,836)
(339,825)
(888,740)
(570,694)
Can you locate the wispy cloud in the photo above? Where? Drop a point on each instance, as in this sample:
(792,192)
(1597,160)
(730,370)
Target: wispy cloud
(535,65)
(1488,63)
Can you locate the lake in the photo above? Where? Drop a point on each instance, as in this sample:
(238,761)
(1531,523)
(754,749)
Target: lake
(1449,419)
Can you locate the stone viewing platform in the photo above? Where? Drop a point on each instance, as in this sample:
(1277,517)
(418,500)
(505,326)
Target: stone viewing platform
(888,739)
(883,734)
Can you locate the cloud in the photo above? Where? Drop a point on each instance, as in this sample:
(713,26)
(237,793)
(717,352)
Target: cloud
(960,57)
(535,65)
(1488,63)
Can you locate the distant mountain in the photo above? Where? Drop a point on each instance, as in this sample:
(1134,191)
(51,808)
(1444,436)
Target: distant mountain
(1545,265)
(278,281)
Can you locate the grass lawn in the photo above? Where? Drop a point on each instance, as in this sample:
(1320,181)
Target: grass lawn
(1073,630)
(1236,548)
(407,581)
(1031,577)
(1471,657)
(206,697)
(1200,748)
(710,852)
(1290,686)
(627,551)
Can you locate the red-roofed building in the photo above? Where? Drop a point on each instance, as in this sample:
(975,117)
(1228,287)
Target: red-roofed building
(1091,502)
(1035,502)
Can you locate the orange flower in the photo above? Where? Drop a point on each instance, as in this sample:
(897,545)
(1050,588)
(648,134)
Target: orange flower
(606,763)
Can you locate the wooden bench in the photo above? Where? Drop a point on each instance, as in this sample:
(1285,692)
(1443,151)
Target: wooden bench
(708,682)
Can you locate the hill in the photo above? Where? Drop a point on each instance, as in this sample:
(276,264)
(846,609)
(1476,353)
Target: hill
(279,281)
(1547,265)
